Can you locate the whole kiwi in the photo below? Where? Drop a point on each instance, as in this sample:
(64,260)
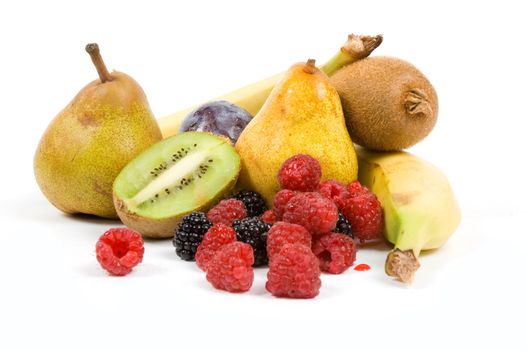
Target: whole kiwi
(388,103)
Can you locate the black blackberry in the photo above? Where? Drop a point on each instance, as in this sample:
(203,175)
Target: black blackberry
(189,234)
(254,232)
(253,201)
(343,226)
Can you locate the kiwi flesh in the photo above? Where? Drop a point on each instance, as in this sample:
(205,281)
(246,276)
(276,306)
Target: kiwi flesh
(388,103)
(183,173)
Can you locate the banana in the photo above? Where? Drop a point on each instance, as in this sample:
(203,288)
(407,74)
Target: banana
(252,97)
(420,208)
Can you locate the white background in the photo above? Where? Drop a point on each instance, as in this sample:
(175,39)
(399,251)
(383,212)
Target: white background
(470,293)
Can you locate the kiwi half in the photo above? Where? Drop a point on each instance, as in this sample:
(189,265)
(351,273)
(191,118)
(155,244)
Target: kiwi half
(183,173)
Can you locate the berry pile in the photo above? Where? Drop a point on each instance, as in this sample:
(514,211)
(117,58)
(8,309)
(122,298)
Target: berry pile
(312,227)
(228,241)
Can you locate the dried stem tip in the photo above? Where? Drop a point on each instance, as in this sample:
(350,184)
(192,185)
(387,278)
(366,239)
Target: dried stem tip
(96,58)
(402,265)
(361,46)
(310,66)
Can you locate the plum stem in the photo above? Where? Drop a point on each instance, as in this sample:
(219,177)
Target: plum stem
(96,58)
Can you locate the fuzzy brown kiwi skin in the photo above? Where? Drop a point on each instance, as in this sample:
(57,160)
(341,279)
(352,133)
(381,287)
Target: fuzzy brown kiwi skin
(162,228)
(388,103)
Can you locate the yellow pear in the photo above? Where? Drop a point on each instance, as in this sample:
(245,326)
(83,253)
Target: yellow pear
(303,115)
(84,148)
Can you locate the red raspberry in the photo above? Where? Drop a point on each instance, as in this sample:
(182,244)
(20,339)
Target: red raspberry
(300,173)
(312,211)
(336,252)
(231,268)
(355,188)
(336,191)
(269,217)
(119,250)
(294,273)
(366,217)
(226,211)
(216,237)
(282,233)
(280,202)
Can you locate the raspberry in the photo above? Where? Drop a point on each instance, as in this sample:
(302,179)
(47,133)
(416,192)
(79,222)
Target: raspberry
(343,226)
(254,232)
(365,214)
(282,233)
(280,202)
(253,201)
(231,268)
(335,191)
(269,217)
(189,233)
(215,238)
(336,252)
(294,273)
(356,189)
(300,173)
(119,250)
(312,211)
(226,211)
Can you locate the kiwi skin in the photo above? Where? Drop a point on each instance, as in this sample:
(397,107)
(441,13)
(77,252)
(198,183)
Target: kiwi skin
(387,102)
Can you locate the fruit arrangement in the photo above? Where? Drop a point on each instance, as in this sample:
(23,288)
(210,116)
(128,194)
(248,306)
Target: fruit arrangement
(296,172)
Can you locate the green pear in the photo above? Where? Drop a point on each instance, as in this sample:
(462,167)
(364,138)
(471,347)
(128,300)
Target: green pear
(86,145)
(303,115)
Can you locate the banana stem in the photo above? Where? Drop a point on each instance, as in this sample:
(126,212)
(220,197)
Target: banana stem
(402,265)
(355,48)
(337,61)
(96,58)
(252,97)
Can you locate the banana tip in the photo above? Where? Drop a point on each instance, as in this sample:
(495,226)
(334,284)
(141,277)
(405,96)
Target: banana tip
(401,265)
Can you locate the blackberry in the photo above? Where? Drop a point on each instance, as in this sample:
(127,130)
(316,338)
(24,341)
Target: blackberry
(343,226)
(189,234)
(253,201)
(254,231)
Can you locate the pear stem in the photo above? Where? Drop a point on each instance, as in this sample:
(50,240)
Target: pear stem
(310,66)
(96,58)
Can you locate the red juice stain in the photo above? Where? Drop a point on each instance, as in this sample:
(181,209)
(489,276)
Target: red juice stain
(362,267)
